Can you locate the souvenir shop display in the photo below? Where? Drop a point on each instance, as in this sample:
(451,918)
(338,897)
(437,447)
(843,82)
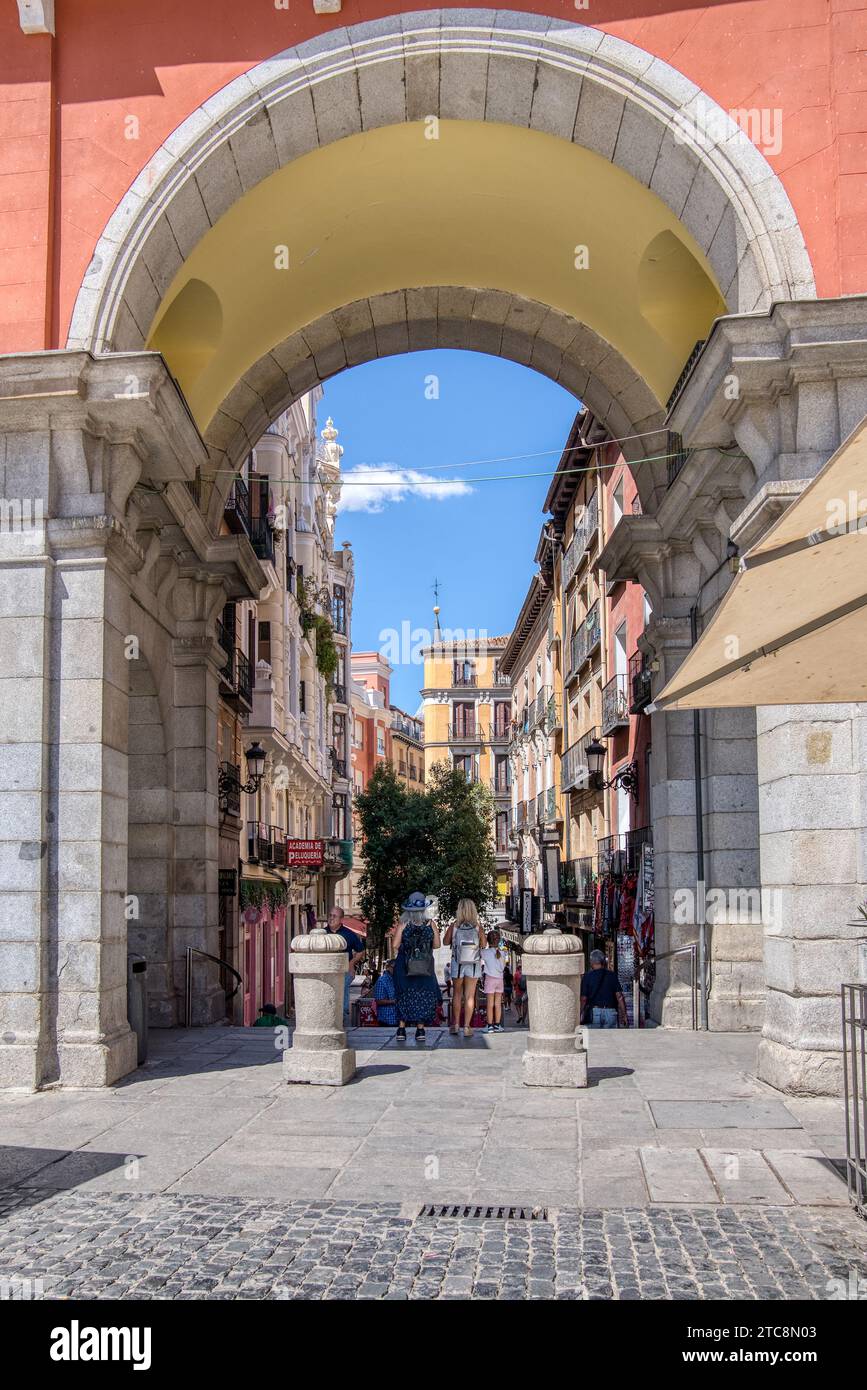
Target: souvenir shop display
(623,917)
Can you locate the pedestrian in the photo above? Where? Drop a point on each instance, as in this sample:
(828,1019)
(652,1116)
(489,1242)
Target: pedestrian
(508,980)
(386,996)
(415,981)
(467,940)
(269,1018)
(520,988)
(354,952)
(493,964)
(602,1001)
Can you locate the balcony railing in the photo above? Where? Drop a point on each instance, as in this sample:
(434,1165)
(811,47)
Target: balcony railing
(244,677)
(226,637)
(587,529)
(460,678)
(259,845)
(236,678)
(501,786)
(232,784)
(278,846)
(639,681)
(519,815)
(615,704)
(570,559)
(501,679)
(339,766)
(677,456)
(553,719)
(574,771)
(622,853)
(262,538)
(586,639)
(467,732)
(578,883)
(339,693)
(409,728)
(539,707)
(237,506)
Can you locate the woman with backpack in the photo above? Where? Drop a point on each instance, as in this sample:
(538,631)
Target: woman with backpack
(467,940)
(415,981)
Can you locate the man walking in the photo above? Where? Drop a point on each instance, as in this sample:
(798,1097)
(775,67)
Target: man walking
(602,1002)
(354,952)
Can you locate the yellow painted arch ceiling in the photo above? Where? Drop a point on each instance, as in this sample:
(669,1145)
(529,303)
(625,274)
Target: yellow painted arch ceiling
(483,205)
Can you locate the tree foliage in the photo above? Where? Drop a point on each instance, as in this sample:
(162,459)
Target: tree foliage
(399,848)
(464,815)
(437,841)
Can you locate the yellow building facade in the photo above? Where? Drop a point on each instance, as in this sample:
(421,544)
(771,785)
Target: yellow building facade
(467,714)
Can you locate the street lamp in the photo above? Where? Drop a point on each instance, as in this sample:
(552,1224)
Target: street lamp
(229,784)
(626,777)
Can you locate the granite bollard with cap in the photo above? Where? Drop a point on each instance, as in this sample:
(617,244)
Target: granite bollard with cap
(553,963)
(318,1053)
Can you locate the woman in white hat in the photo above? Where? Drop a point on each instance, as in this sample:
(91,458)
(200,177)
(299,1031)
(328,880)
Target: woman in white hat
(415,981)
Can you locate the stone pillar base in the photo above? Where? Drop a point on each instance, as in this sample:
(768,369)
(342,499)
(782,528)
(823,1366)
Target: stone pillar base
(332,1068)
(98,1063)
(21,1068)
(799,1071)
(560,1069)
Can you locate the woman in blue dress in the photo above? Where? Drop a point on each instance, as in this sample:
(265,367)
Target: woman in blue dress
(418,996)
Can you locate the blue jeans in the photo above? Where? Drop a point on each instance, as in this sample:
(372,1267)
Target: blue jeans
(603,1018)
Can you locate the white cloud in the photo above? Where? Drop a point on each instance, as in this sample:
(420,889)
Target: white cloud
(372,488)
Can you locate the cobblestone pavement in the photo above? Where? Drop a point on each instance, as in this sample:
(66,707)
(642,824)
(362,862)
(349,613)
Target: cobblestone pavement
(136,1246)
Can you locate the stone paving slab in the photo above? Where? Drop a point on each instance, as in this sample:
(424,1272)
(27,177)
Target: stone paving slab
(210,1114)
(126,1246)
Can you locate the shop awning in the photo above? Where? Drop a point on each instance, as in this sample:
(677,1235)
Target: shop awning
(356,924)
(792,628)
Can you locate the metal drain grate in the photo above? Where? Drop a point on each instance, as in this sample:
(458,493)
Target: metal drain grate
(492,1212)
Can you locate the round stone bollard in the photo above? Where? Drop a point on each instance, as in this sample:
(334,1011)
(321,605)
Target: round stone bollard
(553,964)
(318,1053)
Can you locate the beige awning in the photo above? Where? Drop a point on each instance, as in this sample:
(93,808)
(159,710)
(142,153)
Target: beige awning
(792,628)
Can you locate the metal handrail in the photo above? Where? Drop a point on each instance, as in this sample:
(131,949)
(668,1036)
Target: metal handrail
(692,952)
(188,982)
(854,1000)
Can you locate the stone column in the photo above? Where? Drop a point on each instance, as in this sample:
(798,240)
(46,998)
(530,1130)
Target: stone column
(197,598)
(318,1054)
(553,964)
(813,800)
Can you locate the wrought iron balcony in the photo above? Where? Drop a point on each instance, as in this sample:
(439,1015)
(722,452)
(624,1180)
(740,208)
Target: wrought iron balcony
(587,529)
(339,693)
(553,719)
(586,639)
(501,679)
(639,681)
(259,846)
(539,707)
(622,853)
(615,704)
(278,846)
(262,538)
(570,557)
(574,770)
(237,507)
(244,676)
(467,731)
(232,793)
(462,679)
(677,456)
(578,882)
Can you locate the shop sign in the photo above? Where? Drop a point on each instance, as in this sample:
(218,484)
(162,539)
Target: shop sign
(307,854)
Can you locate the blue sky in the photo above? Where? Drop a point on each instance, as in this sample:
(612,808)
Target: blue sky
(401,415)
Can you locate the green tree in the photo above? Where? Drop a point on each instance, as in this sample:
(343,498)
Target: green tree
(463,817)
(399,848)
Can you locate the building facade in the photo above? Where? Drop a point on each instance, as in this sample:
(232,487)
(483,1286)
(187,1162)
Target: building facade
(467,712)
(285,846)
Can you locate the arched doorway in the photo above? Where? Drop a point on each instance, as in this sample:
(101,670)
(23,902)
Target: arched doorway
(548,193)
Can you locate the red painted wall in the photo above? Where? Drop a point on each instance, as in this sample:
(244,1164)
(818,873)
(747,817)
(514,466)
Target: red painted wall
(119,59)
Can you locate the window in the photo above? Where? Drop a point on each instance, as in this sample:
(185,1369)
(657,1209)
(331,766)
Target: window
(502,779)
(617,502)
(357,733)
(501,717)
(380,743)
(620,660)
(265,642)
(338,609)
(466,764)
(463,719)
(339,819)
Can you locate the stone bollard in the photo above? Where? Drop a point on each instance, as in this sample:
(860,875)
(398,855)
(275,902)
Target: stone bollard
(553,964)
(318,1053)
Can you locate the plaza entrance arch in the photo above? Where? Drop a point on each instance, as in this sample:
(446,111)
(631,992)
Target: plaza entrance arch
(544,191)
